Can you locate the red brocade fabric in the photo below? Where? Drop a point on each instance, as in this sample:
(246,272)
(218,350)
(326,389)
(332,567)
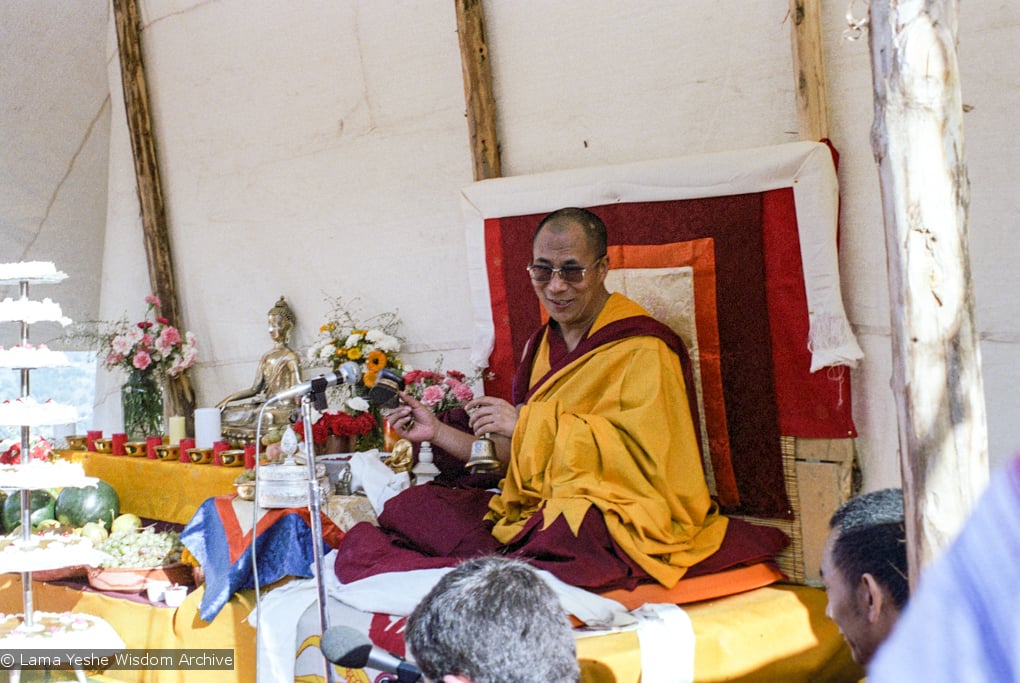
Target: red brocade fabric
(761,319)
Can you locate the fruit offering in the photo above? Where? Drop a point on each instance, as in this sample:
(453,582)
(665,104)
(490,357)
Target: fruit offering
(142,548)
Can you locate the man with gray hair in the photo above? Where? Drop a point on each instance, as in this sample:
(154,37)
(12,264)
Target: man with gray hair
(864,568)
(492,620)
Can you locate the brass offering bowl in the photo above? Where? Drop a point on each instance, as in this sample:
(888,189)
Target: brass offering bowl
(77,443)
(135,448)
(103,445)
(200,456)
(168,452)
(246,491)
(232,457)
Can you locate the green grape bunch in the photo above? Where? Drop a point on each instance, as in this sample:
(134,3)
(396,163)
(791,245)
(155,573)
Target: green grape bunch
(141,548)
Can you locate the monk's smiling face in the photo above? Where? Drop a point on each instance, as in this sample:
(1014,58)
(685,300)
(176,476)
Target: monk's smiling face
(574,305)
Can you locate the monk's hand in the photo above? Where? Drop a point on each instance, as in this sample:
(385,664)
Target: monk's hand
(412,419)
(491,415)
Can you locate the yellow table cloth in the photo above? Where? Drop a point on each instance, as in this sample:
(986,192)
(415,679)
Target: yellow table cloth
(144,626)
(167,490)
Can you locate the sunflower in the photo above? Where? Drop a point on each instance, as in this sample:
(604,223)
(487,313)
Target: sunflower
(376,360)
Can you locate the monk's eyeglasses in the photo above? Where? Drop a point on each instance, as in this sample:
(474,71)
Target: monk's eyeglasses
(570,274)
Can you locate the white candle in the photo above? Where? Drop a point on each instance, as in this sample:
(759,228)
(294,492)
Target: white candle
(176,430)
(207,427)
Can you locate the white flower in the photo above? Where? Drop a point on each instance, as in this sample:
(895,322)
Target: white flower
(353,340)
(387,343)
(358,404)
(121,344)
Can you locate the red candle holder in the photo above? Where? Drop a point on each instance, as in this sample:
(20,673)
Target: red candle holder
(217,448)
(249,456)
(185,444)
(150,446)
(117,442)
(90,438)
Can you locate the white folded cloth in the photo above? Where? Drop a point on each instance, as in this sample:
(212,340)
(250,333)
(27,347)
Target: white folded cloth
(398,592)
(371,475)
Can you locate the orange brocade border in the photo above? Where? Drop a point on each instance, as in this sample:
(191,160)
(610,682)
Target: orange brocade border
(698,588)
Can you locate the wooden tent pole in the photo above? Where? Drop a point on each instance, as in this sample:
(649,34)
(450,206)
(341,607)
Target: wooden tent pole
(150,193)
(809,69)
(481,103)
(917,139)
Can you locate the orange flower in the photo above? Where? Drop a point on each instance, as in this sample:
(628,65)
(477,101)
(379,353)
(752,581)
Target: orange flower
(354,353)
(369,378)
(376,360)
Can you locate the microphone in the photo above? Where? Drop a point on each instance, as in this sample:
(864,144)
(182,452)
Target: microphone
(349,373)
(347,647)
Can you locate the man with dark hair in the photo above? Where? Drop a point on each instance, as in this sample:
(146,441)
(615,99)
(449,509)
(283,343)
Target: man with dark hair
(864,568)
(492,620)
(963,621)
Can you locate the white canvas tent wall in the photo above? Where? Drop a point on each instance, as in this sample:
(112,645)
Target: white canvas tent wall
(318,150)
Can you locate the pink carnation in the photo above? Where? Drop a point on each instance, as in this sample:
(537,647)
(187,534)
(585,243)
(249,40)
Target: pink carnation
(153,300)
(461,391)
(168,338)
(433,395)
(142,360)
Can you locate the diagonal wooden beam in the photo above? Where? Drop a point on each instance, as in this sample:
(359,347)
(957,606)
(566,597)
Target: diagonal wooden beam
(158,254)
(481,103)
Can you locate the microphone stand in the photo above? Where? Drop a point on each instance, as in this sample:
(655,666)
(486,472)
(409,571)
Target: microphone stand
(317,396)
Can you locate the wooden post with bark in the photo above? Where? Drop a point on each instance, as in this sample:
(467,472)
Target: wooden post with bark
(917,139)
(481,103)
(809,69)
(181,399)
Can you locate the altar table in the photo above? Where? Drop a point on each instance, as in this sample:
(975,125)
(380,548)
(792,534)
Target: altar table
(167,490)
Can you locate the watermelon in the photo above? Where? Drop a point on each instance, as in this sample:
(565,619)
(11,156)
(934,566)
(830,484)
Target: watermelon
(41,503)
(77,506)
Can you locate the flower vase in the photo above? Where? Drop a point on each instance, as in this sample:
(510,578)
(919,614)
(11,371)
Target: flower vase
(142,400)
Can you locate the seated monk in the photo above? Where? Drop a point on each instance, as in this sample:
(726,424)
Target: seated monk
(603,484)
(279,369)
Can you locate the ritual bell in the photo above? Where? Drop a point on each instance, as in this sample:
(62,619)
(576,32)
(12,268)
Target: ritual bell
(483,456)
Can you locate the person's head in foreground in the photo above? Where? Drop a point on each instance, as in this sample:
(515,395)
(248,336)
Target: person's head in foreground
(492,620)
(864,568)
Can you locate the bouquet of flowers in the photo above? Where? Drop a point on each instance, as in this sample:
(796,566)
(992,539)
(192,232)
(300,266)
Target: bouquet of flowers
(440,391)
(150,351)
(373,344)
(150,345)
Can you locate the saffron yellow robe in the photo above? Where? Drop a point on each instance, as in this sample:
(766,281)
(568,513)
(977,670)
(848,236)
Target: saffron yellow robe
(613,430)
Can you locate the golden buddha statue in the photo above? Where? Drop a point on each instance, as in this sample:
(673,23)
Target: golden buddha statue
(278,369)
